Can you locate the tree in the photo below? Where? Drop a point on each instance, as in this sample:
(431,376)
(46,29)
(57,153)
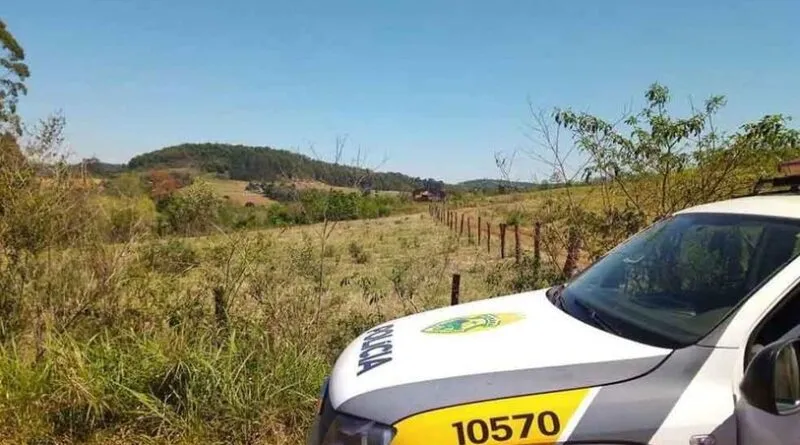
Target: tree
(13,72)
(655,147)
(191,210)
(662,163)
(161,184)
(646,165)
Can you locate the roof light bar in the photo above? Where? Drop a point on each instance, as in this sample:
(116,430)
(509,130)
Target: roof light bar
(793,182)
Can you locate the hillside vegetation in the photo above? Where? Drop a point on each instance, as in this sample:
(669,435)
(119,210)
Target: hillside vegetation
(248,163)
(494,184)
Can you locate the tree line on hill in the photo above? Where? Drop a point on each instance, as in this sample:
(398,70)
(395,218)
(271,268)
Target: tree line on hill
(248,163)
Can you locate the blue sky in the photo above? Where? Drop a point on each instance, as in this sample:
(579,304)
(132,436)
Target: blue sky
(434,87)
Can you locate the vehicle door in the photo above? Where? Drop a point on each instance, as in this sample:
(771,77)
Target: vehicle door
(769,410)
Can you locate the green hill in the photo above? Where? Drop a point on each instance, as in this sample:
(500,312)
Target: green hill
(248,163)
(493,184)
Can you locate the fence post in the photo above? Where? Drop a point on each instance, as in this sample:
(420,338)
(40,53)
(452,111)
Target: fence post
(220,307)
(469,230)
(455,289)
(537,242)
(517,248)
(573,249)
(488,237)
(461,229)
(502,240)
(479,230)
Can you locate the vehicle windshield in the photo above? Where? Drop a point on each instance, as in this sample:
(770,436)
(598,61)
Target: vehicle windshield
(671,284)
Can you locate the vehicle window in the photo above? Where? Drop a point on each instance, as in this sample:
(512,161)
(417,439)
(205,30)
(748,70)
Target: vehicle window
(783,319)
(787,379)
(679,279)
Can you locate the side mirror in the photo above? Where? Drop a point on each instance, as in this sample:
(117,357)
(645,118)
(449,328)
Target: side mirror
(772,379)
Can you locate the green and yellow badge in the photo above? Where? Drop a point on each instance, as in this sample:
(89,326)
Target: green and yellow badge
(472,323)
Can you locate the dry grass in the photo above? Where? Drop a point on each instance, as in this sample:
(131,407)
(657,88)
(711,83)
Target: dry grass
(215,339)
(390,243)
(310,184)
(235,191)
(250,373)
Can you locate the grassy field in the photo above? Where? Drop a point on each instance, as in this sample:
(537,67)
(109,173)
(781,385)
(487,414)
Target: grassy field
(235,191)
(114,332)
(529,206)
(410,251)
(216,339)
(224,337)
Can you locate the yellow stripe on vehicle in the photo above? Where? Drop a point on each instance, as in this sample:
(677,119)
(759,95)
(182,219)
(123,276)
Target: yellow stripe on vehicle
(525,420)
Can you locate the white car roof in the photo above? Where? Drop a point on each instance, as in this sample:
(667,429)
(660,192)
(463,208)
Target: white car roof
(781,206)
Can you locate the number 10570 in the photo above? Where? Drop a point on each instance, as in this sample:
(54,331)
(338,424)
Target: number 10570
(503,428)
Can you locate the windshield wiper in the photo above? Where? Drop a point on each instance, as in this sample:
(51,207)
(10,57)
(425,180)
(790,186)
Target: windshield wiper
(600,321)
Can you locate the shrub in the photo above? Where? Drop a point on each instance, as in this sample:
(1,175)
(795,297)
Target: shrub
(357,253)
(128,217)
(192,210)
(172,257)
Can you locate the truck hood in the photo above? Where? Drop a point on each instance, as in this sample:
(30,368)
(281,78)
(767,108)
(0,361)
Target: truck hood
(494,348)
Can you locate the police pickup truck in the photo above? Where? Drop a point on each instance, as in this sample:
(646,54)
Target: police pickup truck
(686,333)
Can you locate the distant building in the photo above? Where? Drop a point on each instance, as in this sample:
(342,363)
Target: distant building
(428,195)
(790,167)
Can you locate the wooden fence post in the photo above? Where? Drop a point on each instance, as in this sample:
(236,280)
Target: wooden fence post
(573,250)
(220,307)
(537,242)
(469,230)
(461,229)
(455,289)
(517,247)
(502,240)
(479,230)
(488,237)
